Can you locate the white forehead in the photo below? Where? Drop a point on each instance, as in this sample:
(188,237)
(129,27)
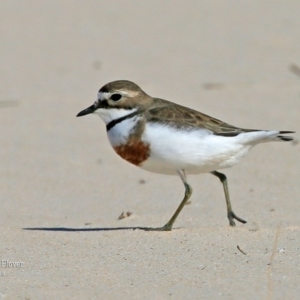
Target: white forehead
(103,96)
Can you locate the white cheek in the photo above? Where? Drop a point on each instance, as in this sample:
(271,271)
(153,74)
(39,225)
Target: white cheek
(107,115)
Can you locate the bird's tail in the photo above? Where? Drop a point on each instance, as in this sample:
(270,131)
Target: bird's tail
(264,136)
(284,137)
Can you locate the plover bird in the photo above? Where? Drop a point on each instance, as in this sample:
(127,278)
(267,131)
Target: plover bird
(166,138)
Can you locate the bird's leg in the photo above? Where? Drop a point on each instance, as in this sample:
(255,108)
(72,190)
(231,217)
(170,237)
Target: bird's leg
(230,214)
(187,195)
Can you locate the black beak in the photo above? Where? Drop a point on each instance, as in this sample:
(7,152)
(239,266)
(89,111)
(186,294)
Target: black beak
(86,111)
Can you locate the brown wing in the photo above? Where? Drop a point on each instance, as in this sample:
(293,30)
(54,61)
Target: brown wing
(178,116)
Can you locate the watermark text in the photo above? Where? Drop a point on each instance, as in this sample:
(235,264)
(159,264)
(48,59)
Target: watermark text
(4,263)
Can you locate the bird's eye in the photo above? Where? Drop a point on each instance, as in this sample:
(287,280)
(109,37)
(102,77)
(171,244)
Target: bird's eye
(115,97)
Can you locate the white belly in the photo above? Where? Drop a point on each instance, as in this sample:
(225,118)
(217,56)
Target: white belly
(196,151)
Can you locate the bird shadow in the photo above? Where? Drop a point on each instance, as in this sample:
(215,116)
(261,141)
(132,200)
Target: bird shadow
(79,229)
(68,229)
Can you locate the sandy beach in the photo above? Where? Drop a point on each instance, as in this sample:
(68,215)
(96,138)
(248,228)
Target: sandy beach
(63,188)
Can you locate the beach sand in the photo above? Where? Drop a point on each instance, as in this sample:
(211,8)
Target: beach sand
(63,187)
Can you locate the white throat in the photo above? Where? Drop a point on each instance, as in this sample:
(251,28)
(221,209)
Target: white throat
(110,114)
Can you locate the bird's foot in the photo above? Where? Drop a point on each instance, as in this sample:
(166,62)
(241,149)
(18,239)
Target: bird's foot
(231,216)
(167,227)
